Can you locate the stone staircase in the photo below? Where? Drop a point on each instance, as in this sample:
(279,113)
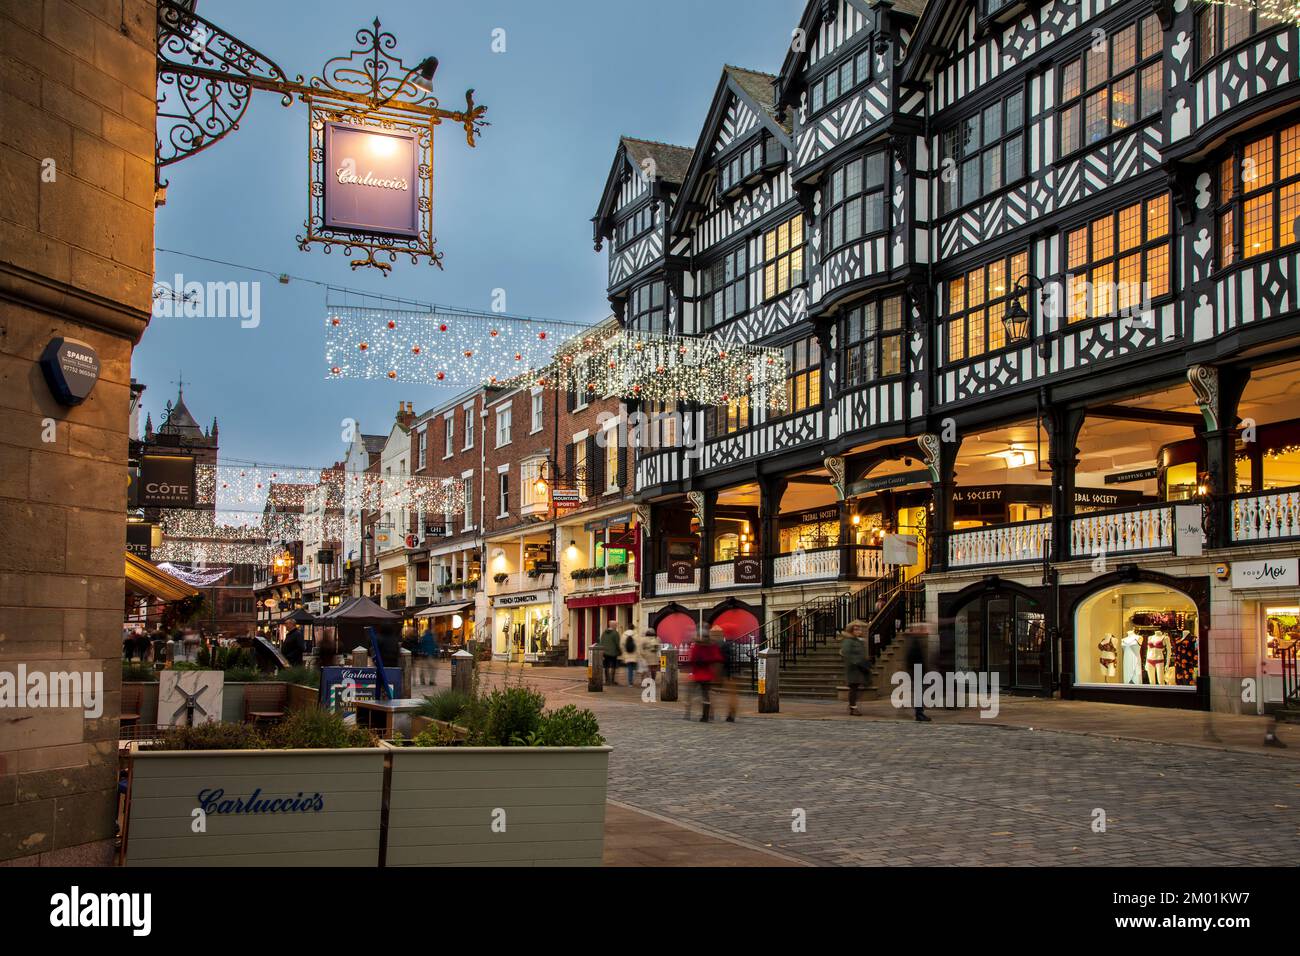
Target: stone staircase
(820,674)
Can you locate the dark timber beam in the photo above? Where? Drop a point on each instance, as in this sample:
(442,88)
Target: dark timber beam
(1153,416)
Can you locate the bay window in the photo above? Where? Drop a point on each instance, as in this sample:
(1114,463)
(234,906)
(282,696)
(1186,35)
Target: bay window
(873,337)
(983,152)
(852,73)
(1220,27)
(1115,83)
(803,386)
(974,306)
(727,419)
(855,201)
(646,308)
(1119,262)
(1259,197)
(723,287)
(783,257)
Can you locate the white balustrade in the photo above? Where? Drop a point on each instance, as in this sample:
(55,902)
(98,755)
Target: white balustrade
(722,575)
(1267,515)
(1122,532)
(806,566)
(870,563)
(999,544)
(663,587)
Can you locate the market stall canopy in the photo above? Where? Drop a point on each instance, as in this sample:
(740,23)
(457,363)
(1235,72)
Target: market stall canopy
(441,610)
(267,652)
(149,580)
(299,616)
(357,610)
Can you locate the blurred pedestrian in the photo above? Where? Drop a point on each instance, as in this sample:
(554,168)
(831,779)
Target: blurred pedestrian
(853,651)
(649,648)
(609,646)
(726,659)
(629,656)
(706,661)
(426,657)
(915,656)
(292,647)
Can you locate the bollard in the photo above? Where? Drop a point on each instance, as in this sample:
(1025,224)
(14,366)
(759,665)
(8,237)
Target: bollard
(668,674)
(360,657)
(405,660)
(595,670)
(769,681)
(462,671)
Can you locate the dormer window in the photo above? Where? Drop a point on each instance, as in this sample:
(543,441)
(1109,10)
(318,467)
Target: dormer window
(743,166)
(636,225)
(852,73)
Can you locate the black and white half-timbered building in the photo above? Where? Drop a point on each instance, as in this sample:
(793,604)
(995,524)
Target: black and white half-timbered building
(1035,270)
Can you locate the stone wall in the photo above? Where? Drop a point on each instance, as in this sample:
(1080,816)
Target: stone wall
(76,260)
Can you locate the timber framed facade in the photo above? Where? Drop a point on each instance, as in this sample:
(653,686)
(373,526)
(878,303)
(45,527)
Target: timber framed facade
(1036,271)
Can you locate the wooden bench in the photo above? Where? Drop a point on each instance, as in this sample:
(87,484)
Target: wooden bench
(264,702)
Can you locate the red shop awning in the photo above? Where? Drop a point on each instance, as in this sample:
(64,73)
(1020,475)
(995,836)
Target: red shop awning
(602,600)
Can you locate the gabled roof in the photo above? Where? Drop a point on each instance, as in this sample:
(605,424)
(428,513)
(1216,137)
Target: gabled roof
(813,15)
(756,91)
(935,29)
(670,164)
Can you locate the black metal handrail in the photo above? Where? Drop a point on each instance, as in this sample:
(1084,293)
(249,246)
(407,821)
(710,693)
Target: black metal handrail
(1290,677)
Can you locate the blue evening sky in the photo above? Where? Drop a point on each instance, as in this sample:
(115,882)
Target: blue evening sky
(512,214)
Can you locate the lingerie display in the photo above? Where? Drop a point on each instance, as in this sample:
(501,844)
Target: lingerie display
(1108,656)
(1131,647)
(1156,657)
(1186,662)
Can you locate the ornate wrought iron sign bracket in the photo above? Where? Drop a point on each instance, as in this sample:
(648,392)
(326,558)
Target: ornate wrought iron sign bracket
(205,83)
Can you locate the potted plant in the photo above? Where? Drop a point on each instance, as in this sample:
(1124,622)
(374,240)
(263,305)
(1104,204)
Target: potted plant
(501,577)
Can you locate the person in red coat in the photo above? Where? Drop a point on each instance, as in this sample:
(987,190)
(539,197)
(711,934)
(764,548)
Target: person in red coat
(706,661)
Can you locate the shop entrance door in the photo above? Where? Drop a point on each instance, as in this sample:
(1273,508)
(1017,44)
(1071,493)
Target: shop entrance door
(1003,634)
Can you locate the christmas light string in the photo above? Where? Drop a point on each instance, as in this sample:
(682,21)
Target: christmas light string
(1281,11)
(196,579)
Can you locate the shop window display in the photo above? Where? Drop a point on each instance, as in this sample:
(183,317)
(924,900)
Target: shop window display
(1282,629)
(1139,636)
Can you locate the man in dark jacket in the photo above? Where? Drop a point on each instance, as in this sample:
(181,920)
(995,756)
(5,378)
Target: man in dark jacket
(390,646)
(853,650)
(609,645)
(293,646)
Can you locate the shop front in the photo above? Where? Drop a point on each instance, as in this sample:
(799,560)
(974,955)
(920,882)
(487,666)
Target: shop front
(998,628)
(1137,638)
(591,614)
(452,623)
(522,626)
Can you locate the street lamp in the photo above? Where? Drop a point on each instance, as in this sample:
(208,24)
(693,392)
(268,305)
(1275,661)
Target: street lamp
(422,75)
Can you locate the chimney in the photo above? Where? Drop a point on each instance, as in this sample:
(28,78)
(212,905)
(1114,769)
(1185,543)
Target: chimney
(405,414)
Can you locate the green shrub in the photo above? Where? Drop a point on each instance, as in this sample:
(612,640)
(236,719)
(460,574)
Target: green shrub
(216,736)
(188,666)
(139,672)
(302,674)
(435,736)
(568,727)
(315,729)
(246,675)
(445,705)
(507,717)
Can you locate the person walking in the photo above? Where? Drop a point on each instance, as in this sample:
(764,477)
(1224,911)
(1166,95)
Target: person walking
(706,661)
(609,646)
(426,656)
(853,651)
(629,655)
(915,656)
(293,647)
(649,649)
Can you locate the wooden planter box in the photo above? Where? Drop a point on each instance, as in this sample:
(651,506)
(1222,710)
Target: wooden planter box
(338,824)
(443,803)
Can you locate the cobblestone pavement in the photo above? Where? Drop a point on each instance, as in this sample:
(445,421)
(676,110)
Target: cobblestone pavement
(903,793)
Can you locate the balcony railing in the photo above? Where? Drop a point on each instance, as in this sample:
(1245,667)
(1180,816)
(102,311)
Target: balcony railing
(678,587)
(722,574)
(1018,543)
(1128,531)
(817,564)
(395,602)
(523,581)
(1266,515)
(601,581)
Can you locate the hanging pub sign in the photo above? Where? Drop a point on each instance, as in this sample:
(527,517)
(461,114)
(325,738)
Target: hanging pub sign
(372,179)
(749,571)
(681,572)
(167,481)
(71,369)
(139,540)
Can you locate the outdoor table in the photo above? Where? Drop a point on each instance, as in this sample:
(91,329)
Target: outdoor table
(388,716)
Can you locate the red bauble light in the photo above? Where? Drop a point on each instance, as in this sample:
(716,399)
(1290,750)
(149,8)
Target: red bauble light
(542,336)
(392,324)
(335,370)
(392,373)
(363,346)
(518,357)
(469,353)
(494,333)
(415,350)
(441,376)
(334,321)
(443,327)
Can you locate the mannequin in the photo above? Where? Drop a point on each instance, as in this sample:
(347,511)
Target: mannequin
(1185,659)
(1130,646)
(1157,645)
(1108,656)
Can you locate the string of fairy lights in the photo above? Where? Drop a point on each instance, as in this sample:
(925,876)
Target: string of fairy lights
(1281,11)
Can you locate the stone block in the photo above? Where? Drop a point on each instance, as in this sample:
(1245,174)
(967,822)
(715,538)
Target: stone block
(62,101)
(26,829)
(20,182)
(33,538)
(96,162)
(86,817)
